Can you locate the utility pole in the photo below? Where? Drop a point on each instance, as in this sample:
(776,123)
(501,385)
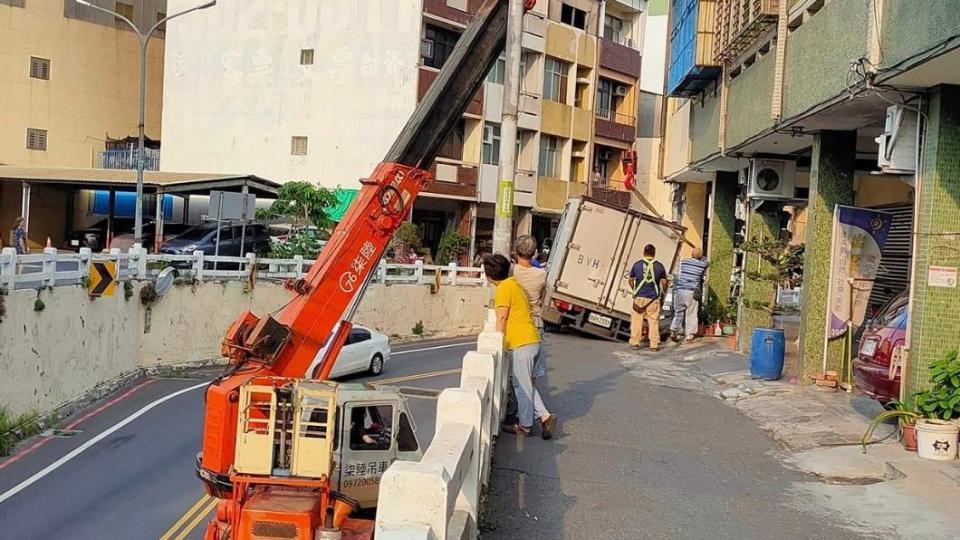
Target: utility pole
(503,219)
(144,39)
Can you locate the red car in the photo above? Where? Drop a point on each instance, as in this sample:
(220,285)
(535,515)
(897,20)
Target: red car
(887,331)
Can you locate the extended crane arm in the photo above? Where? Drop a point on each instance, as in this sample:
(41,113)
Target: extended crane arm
(284,345)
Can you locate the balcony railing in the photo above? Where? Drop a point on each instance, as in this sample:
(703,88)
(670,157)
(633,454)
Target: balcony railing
(127,159)
(615,125)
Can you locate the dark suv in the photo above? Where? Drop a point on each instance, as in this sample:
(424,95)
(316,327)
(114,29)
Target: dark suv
(204,238)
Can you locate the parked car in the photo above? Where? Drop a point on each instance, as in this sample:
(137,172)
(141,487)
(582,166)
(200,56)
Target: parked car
(89,237)
(124,241)
(204,238)
(366,351)
(881,335)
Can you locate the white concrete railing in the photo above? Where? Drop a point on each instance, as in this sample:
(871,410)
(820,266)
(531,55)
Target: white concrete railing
(438,497)
(52,268)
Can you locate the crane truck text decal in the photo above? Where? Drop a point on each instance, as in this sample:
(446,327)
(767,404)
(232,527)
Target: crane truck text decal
(350,276)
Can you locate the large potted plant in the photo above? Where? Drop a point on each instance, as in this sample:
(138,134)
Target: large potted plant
(906,415)
(937,433)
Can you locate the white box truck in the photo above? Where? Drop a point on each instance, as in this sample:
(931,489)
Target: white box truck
(591,256)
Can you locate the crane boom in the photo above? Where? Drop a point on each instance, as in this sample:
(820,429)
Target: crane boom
(285,343)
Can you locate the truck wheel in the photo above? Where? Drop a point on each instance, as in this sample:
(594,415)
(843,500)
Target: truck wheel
(376,365)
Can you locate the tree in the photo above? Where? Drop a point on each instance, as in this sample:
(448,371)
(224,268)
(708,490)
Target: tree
(304,202)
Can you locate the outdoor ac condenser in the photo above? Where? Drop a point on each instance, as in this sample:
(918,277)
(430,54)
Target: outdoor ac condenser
(772,179)
(897,153)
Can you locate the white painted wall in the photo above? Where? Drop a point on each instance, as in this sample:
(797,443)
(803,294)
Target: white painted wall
(76,343)
(235,92)
(654,53)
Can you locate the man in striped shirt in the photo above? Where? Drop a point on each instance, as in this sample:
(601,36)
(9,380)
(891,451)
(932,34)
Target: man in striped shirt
(685,301)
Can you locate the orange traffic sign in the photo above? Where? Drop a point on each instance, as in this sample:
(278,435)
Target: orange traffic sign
(103,275)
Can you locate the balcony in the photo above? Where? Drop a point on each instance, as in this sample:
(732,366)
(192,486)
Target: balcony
(453,10)
(552,193)
(619,58)
(453,178)
(740,22)
(524,186)
(127,159)
(615,126)
(611,192)
(426,78)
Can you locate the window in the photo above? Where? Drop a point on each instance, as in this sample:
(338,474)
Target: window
(648,115)
(126,10)
(555,80)
(298,146)
(161,16)
(573,16)
(306,57)
(371,427)
(549,156)
(452,148)
(491,144)
(613,29)
(39,68)
(605,103)
(36,139)
(406,439)
(358,335)
(437,45)
(497,71)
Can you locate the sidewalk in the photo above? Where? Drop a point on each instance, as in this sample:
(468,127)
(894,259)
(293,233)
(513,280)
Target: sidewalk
(683,444)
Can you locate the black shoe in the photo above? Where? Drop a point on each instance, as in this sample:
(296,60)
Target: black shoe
(516,429)
(547,426)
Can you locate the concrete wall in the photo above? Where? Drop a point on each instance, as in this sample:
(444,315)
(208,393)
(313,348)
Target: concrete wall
(236,92)
(57,355)
(92,91)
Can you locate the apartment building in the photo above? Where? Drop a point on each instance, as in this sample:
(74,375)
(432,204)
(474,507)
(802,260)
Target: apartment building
(69,84)
(820,89)
(319,90)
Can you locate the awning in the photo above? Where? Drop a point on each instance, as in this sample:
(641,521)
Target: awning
(345,198)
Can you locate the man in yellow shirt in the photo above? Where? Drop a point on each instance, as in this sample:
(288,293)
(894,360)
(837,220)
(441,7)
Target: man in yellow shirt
(522,342)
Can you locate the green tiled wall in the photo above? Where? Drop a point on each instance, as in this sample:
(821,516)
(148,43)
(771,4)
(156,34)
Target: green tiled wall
(762,223)
(748,105)
(704,126)
(909,29)
(935,321)
(722,224)
(819,54)
(831,183)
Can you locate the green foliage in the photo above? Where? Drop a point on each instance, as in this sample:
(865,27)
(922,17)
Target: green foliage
(943,399)
(408,234)
(712,310)
(418,329)
(13,430)
(451,242)
(38,304)
(304,202)
(905,413)
(127,290)
(148,294)
(784,267)
(304,243)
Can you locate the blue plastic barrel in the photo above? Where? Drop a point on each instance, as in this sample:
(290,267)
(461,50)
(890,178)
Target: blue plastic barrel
(766,353)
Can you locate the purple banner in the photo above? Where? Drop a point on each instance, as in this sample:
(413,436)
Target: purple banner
(859,235)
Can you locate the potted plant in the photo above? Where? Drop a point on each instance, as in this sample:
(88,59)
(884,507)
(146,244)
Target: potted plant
(452,246)
(907,416)
(937,433)
(729,319)
(711,312)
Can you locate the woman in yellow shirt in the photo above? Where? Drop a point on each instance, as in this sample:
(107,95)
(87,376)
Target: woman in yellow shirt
(522,342)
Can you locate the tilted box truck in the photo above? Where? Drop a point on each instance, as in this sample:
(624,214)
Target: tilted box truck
(595,247)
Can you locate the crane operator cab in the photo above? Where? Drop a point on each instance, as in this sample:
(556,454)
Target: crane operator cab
(298,437)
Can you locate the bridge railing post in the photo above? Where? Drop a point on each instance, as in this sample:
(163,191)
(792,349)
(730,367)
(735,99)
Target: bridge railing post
(8,268)
(49,266)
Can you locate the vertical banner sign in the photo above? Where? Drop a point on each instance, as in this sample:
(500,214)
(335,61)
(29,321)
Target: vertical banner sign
(505,198)
(859,235)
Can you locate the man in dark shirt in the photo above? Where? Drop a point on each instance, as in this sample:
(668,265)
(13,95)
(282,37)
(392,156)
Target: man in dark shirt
(648,281)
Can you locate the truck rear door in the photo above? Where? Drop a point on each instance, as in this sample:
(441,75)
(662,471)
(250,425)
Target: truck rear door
(591,253)
(642,230)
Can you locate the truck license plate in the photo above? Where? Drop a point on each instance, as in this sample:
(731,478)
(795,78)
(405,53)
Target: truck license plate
(599,320)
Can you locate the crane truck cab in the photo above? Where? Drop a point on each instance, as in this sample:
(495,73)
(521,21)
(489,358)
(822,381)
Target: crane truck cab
(302,443)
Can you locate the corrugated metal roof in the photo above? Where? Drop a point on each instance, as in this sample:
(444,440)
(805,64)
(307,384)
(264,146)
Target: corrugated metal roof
(107,177)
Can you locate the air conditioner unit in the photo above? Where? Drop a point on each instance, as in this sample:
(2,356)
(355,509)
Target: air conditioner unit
(620,90)
(772,179)
(897,153)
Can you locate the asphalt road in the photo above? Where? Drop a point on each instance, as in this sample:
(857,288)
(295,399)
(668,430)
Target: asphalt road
(127,472)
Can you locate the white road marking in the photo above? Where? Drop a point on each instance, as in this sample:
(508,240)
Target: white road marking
(395,353)
(83,447)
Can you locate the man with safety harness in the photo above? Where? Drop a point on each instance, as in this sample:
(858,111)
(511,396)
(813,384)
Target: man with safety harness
(648,280)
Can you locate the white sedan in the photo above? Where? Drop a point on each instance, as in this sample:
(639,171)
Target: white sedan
(366,351)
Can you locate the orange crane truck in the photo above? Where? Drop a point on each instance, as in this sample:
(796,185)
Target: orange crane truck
(291,457)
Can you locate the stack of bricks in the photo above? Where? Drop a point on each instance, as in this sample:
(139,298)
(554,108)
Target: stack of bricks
(827,382)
